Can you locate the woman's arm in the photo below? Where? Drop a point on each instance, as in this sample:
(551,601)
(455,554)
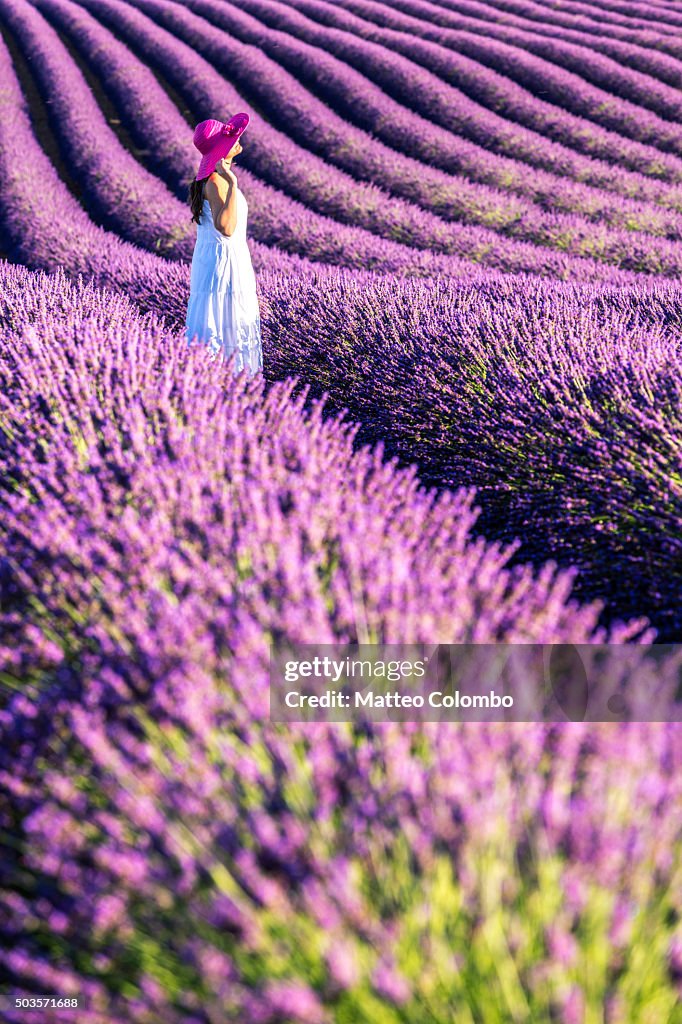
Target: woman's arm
(221,193)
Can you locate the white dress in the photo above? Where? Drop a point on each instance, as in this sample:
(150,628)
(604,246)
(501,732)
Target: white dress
(223,309)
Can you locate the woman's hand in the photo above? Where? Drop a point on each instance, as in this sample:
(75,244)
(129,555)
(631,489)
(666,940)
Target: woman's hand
(224,168)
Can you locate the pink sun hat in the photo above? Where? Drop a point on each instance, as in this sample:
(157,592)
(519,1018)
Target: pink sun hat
(214,140)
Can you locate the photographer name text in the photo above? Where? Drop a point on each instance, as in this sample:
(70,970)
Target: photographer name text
(394,699)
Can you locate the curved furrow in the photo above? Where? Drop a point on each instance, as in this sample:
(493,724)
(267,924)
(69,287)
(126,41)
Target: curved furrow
(141,100)
(537,75)
(427,45)
(136,144)
(342,35)
(642,256)
(535,16)
(126,196)
(363,102)
(60,233)
(636,51)
(641,14)
(648,40)
(479,82)
(386,112)
(639,59)
(272,153)
(41,115)
(116,190)
(539,15)
(275,218)
(604,72)
(609,17)
(119,80)
(217,48)
(484,247)
(647,51)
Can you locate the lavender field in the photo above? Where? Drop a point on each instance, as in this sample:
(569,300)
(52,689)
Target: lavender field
(465,218)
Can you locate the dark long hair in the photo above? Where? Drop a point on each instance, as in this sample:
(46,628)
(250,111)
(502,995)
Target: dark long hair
(196,197)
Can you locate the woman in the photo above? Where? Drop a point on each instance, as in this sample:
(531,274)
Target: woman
(223,309)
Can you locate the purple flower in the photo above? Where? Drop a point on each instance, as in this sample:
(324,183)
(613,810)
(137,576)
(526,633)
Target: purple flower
(390,984)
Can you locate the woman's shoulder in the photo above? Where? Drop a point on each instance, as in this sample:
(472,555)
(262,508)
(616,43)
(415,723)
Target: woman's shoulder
(215,186)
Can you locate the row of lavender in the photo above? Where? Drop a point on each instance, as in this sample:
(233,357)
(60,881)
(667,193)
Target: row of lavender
(574,77)
(647,48)
(490,74)
(145,215)
(64,236)
(366,159)
(402,77)
(407,105)
(287,223)
(637,23)
(132,202)
(569,234)
(60,234)
(178,857)
(360,55)
(636,138)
